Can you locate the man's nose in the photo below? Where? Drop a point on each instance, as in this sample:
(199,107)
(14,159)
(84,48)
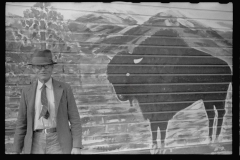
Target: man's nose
(42,67)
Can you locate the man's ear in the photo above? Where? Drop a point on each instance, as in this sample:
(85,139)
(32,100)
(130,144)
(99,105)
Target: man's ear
(54,65)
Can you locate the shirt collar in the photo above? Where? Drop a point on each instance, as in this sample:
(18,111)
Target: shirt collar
(48,84)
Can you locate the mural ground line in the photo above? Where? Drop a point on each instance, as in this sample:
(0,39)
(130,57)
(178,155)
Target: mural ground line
(185,145)
(179,146)
(136,45)
(141,122)
(147,141)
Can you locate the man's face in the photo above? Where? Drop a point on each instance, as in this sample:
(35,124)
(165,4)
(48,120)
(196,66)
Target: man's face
(43,72)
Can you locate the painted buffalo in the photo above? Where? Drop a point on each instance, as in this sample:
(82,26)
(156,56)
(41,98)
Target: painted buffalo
(164,84)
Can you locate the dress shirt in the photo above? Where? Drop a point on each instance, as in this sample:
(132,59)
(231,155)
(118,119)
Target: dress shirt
(42,122)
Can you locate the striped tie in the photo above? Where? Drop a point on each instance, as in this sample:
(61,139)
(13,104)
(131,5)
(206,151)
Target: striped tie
(44,101)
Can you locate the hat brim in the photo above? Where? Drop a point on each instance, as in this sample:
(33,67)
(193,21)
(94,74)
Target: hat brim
(43,58)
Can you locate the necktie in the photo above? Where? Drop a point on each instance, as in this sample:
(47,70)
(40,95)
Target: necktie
(44,101)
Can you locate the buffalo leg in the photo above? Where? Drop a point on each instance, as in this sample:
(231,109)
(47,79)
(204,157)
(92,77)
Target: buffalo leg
(211,115)
(220,106)
(154,127)
(163,129)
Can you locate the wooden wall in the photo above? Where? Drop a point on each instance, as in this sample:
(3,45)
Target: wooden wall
(83,46)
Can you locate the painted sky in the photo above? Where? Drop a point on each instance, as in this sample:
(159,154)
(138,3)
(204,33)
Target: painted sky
(71,10)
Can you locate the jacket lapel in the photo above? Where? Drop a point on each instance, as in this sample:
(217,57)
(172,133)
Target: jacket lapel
(31,100)
(58,90)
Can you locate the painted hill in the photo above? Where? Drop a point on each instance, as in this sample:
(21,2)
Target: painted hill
(95,27)
(165,29)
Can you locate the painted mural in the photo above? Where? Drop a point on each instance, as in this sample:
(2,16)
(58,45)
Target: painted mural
(148,78)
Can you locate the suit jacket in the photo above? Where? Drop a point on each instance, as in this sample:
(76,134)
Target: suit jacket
(66,111)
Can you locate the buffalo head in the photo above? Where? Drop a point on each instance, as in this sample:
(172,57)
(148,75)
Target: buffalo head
(120,70)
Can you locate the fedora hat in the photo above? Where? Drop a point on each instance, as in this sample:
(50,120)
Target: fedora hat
(42,57)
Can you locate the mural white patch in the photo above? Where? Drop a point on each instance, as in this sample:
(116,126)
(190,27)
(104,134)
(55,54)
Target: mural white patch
(136,61)
(167,23)
(109,57)
(185,23)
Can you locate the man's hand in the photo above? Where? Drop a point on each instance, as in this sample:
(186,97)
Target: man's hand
(76,151)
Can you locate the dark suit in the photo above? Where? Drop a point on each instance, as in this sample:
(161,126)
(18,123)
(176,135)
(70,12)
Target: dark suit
(66,111)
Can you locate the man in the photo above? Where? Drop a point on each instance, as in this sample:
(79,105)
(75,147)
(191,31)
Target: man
(46,108)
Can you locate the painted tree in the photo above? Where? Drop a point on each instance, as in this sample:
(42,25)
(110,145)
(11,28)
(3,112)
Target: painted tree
(45,26)
(41,27)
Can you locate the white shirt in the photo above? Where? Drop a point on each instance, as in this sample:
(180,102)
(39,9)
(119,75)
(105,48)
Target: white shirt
(42,122)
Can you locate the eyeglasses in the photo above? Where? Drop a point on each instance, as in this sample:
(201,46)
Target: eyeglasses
(39,67)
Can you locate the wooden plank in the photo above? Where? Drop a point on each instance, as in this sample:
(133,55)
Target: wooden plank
(175,78)
(136,69)
(154,88)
